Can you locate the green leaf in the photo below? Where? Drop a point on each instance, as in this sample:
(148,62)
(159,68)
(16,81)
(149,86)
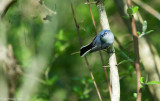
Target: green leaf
(125,17)
(134,9)
(141,86)
(139,33)
(123,61)
(129,11)
(135,95)
(86,96)
(77,90)
(90,81)
(149,31)
(145,33)
(52,80)
(142,80)
(144,28)
(153,82)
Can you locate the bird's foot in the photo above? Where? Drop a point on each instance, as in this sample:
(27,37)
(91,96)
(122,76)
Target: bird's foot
(110,52)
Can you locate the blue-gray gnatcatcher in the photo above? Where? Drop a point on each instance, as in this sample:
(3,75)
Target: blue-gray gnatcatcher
(101,41)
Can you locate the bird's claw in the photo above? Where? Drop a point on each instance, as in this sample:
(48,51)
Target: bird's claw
(110,52)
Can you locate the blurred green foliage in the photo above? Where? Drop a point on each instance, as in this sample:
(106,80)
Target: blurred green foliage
(65,77)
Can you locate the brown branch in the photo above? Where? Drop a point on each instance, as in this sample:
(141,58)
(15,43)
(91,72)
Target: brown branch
(77,26)
(105,70)
(151,61)
(148,8)
(136,49)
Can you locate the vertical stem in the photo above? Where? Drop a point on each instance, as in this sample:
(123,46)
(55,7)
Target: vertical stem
(105,70)
(90,71)
(112,57)
(136,49)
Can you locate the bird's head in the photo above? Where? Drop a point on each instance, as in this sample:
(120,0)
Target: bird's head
(106,36)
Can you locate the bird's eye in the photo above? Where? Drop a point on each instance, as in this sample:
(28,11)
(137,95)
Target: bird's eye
(104,34)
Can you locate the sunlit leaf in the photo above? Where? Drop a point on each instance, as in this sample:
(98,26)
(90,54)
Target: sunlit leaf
(148,32)
(135,95)
(142,80)
(153,82)
(132,10)
(144,27)
(138,33)
(141,86)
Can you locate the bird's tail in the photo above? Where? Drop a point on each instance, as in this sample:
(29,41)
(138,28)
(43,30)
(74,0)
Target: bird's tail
(85,49)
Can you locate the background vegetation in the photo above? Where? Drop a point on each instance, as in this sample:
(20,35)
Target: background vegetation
(43,43)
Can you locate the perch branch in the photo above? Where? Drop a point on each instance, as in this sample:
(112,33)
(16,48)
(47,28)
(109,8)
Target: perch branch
(77,26)
(105,69)
(112,57)
(136,49)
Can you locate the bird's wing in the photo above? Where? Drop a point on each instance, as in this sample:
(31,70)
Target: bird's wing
(94,42)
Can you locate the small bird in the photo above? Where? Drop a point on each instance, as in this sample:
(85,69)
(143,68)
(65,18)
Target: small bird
(104,39)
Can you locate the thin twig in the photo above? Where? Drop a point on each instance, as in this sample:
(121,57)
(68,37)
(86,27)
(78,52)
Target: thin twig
(75,53)
(148,8)
(136,49)
(77,26)
(105,70)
